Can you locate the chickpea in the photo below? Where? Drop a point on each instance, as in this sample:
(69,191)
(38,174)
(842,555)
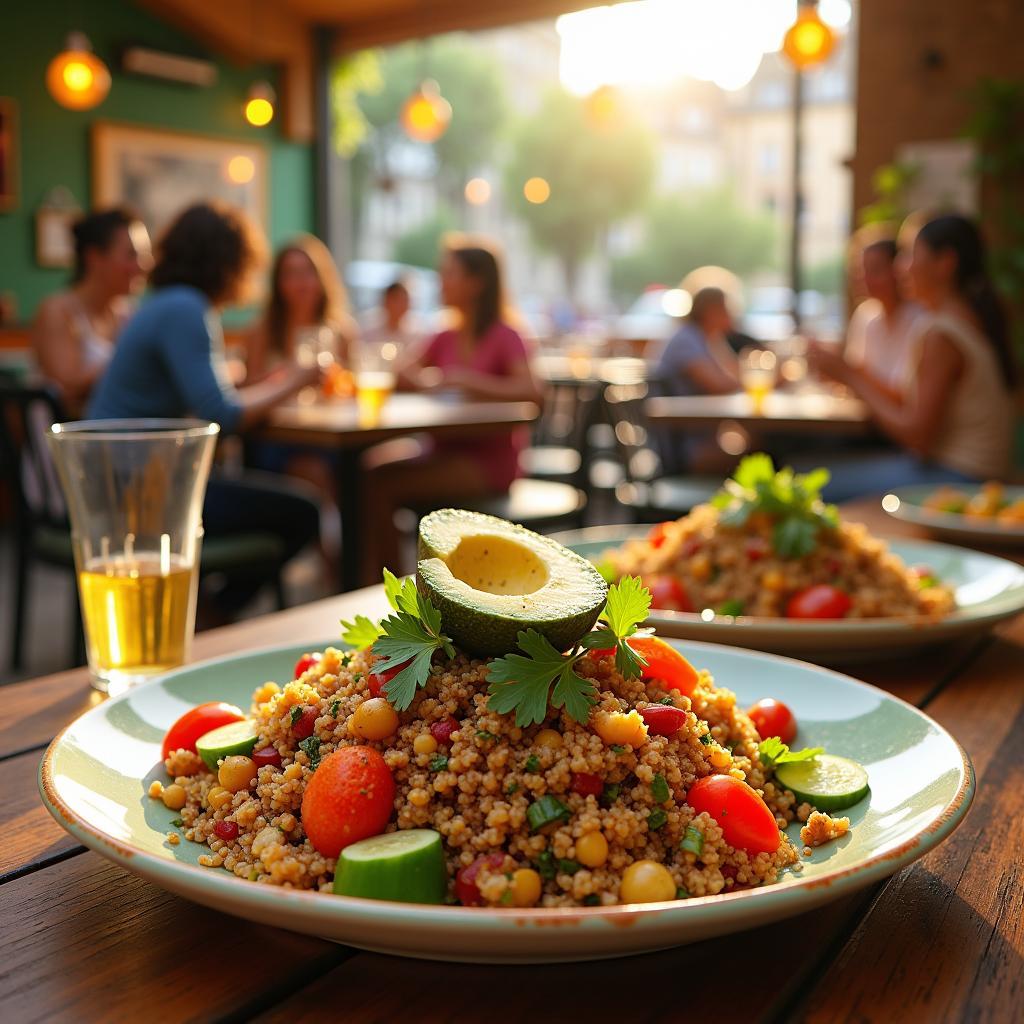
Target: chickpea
(773,580)
(237,772)
(424,744)
(526,887)
(592,850)
(548,738)
(647,881)
(617,728)
(374,719)
(174,797)
(217,797)
(700,567)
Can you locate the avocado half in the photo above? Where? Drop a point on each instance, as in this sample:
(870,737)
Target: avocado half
(490,579)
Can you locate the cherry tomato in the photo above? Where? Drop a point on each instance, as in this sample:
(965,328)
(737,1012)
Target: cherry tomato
(662,720)
(442,731)
(669,594)
(466,891)
(266,755)
(587,784)
(376,681)
(305,663)
(305,726)
(665,663)
(744,817)
(226,830)
(755,549)
(821,601)
(195,724)
(657,537)
(772,718)
(350,797)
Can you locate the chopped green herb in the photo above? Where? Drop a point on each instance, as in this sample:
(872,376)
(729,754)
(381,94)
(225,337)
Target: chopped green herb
(656,819)
(532,763)
(610,793)
(177,822)
(506,898)
(692,841)
(346,658)
(361,632)
(705,738)
(545,811)
(618,748)
(512,788)
(335,705)
(545,865)
(773,751)
(310,746)
(357,677)
(591,900)
(682,894)
(927,582)
(438,763)
(730,607)
(568,867)
(484,736)
(296,713)
(668,700)
(254,875)
(659,789)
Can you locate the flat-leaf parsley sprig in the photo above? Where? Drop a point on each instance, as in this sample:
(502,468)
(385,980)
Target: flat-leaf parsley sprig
(362,631)
(793,500)
(523,682)
(773,751)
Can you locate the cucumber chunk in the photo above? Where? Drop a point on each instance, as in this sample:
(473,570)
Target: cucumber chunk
(225,741)
(828,782)
(407,866)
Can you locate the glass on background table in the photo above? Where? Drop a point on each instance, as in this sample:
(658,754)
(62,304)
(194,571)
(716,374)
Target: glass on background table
(134,491)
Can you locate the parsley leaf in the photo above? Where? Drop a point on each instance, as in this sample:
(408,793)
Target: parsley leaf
(659,789)
(773,751)
(627,606)
(335,705)
(296,713)
(532,763)
(401,594)
(361,632)
(607,570)
(310,746)
(408,642)
(438,763)
(656,819)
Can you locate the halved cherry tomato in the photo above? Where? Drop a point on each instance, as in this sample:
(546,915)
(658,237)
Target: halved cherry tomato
(664,663)
(305,725)
(656,537)
(744,817)
(756,548)
(668,593)
(305,663)
(376,681)
(587,784)
(663,720)
(772,718)
(822,601)
(195,724)
(466,891)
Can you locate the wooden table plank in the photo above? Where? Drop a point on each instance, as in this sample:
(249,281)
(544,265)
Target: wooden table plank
(948,938)
(83,941)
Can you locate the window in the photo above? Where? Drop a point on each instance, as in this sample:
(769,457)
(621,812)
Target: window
(768,157)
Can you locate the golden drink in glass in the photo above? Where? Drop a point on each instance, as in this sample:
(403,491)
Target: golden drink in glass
(373,389)
(757,375)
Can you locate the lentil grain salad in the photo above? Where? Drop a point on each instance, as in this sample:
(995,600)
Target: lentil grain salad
(406,768)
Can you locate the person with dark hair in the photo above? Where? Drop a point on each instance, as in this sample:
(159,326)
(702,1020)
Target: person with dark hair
(170,363)
(881,328)
(74,331)
(955,419)
(392,320)
(484,358)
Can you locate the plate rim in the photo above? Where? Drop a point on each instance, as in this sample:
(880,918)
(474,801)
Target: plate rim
(841,880)
(952,522)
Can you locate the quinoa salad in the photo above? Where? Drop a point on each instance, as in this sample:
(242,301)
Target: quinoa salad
(433,773)
(768,546)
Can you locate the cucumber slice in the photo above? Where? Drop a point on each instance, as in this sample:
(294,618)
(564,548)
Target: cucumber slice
(233,738)
(828,782)
(407,866)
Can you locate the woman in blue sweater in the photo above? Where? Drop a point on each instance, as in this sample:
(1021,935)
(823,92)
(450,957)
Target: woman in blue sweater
(169,362)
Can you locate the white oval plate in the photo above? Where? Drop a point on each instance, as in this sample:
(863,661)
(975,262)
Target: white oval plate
(909,506)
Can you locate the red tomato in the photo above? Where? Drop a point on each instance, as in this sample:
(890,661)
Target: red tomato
(587,784)
(226,830)
(350,797)
(821,601)
(305,726)
(656,537)
(669,594)
(466,891)
(662,720)
(442,731)
(756,548)
(376,681)
(744,817)
(305,663)
(665,663)
(195,724)
(772,718)
(265,756)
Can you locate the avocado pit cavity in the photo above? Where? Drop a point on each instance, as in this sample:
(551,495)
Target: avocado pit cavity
(497,565)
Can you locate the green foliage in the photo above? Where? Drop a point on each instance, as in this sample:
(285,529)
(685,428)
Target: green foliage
(600,170)
(352,76)
(419,247)
(828,276)
(773,751)
(890,183)
(681,234)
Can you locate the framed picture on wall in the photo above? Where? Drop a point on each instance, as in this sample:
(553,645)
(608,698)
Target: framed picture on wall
(158,173)
(8,154)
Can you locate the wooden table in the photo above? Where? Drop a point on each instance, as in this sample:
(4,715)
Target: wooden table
(334,426)
(812,412)
(941,941)
(558,368)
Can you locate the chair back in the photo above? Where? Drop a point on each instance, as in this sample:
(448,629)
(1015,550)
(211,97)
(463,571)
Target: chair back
(625,409)
(26,414)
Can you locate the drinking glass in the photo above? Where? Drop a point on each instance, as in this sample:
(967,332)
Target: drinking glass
(134,491)
(757,375)
(374,370)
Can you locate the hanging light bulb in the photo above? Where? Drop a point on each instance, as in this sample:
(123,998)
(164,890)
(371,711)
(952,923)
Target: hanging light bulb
(426,113)
(76,77)
(809,40)
(259,104)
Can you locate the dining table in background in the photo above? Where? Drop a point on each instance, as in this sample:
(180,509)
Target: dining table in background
(335,426)
(943,940)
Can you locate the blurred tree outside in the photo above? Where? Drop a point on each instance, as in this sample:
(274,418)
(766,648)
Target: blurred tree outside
(680,234)
(827,277)
(599,163)
(419,246)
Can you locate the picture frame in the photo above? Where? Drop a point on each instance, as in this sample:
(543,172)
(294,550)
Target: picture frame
(158,172)
(9,155)
(55,245)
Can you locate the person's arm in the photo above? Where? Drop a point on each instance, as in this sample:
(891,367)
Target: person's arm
(415,370)
(686,356)
(513,381)
(914,422)
(59,353)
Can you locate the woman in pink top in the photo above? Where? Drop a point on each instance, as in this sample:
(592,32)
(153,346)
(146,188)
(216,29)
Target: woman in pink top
(483,358)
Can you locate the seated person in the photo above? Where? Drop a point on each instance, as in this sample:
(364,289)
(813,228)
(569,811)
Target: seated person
(74,331)
(391,322)
(955,420)
(485,359)
(169,362)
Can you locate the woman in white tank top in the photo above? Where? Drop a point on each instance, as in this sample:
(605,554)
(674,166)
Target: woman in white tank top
(74,331)
(955,421)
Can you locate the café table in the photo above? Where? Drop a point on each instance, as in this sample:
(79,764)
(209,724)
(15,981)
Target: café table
(943,940)
(334,426)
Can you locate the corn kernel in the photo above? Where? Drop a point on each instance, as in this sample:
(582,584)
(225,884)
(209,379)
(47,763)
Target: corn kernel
(616,728)
(424,744)
(548,738)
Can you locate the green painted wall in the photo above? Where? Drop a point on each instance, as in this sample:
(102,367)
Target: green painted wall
(54,142)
